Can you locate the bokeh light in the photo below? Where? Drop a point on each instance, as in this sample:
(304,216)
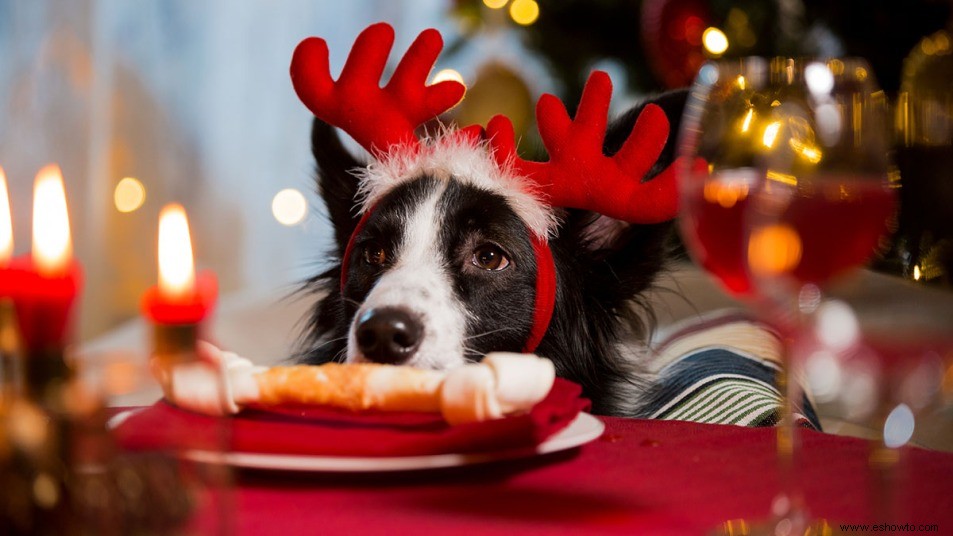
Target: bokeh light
(774,250)
(524,12)
(289,207)
(837,326)
(819,78)
(447,74)
(129,195)
(824,375)
(899,426)
(495,4)
(771,134)
(715,41)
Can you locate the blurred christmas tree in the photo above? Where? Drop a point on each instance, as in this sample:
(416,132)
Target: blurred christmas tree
(660,44)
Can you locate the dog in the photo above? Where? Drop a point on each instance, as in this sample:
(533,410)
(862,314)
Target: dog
(435,265)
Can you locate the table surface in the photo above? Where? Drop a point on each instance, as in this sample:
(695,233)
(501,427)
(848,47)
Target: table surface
(658,477)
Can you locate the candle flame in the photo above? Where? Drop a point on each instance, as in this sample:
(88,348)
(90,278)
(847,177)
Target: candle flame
(176,265)
(6,222)
(52,246)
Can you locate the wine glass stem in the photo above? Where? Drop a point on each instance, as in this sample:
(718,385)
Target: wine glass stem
(789,503)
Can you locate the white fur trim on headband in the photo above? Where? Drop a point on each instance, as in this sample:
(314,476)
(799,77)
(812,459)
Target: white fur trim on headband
(450,156)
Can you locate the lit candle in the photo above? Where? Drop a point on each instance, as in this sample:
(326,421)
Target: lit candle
(182,299)
(9,328)
(6,223)
(10,277)
(50,280)
(52,246)
(176,263)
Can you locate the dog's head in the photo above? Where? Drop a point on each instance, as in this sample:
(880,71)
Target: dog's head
(452,246)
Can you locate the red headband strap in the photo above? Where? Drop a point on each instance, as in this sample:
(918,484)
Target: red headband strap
(545,293)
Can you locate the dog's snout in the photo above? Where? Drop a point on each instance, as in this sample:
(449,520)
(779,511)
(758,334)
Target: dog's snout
(388,335)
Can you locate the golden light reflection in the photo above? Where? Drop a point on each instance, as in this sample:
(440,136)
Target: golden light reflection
(746,122)
(783,178)
(774,250)
(948,376)
(916,272)
(836,67)
(176,264)
(715,41)
(6,222)
(736,527)
(807,150)
(495,4)
(942,42)
(741,81)
(52,245)
(857,122)
(860,73)
(725,194)
(524,12)
(812,154)
(902,118)
(771,134)
(893,177)
(129,195)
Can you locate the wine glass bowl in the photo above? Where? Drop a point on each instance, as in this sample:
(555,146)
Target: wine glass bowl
(796,188)
(788,187)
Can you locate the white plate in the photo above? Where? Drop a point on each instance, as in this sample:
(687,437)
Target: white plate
(583,429)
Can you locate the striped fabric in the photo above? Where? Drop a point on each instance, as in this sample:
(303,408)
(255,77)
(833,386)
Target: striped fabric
(722,368)
(722,386)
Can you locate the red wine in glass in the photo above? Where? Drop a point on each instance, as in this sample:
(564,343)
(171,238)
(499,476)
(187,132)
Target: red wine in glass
(825,229)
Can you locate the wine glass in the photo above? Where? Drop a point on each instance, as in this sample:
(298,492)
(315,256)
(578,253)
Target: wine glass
(923,248)
(785,187)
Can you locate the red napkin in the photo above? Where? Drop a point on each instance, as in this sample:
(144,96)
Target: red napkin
(332,432)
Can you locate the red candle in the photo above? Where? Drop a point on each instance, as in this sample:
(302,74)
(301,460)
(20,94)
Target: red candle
(45,285)
(6,223)
(181,297)
(10,279)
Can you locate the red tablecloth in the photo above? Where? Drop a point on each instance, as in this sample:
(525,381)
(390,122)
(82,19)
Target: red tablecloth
(641,477)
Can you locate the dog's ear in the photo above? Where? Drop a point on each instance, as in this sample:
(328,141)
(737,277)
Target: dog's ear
(632,253)
(337,183)
(604,233)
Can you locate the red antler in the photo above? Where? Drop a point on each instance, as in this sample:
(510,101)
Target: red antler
(376,117)
(579,174)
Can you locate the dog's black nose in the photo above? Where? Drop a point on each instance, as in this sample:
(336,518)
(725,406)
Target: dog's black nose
(388,335)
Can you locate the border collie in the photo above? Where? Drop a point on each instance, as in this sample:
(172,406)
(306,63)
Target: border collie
(434,265)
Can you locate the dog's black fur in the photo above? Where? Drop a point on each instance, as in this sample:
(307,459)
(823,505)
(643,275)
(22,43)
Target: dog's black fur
(599,287)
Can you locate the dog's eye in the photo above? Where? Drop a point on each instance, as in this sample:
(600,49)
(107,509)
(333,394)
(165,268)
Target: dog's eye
(489,257)
(375,255)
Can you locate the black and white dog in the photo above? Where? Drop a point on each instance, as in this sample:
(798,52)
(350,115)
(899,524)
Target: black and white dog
(443,272)
(451,246)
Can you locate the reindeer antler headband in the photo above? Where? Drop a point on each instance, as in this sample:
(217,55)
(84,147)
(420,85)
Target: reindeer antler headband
(578,175)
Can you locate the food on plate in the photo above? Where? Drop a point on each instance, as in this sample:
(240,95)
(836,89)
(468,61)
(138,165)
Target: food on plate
(501,384)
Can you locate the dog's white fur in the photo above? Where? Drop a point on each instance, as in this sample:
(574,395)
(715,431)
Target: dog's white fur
(419,281)
(448,155)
